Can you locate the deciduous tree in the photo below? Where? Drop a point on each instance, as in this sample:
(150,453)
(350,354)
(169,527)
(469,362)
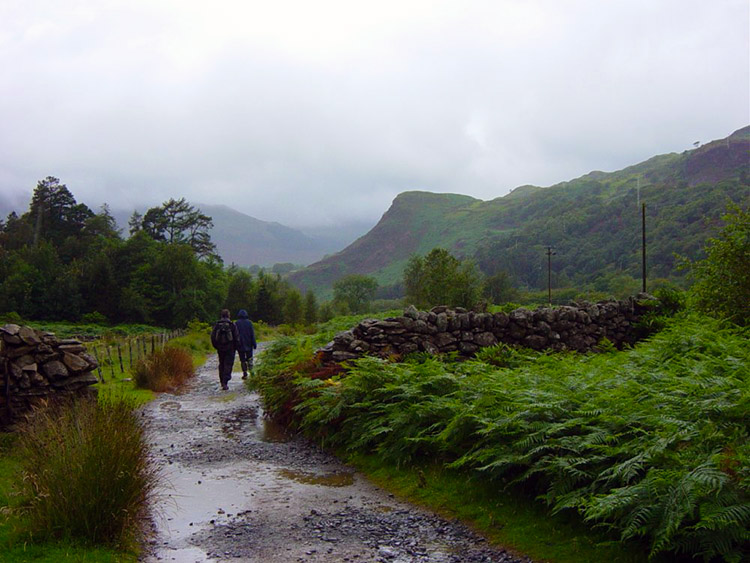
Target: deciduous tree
(441,279)
(355,292)
(722,279)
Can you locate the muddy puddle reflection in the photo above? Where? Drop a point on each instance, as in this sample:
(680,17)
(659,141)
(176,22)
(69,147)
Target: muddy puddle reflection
(326,480)
(267,430)
(235,425)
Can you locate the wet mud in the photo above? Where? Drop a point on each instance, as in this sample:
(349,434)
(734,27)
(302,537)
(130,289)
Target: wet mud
(240,488)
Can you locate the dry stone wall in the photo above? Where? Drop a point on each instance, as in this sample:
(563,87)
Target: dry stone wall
(36,365)
(579,327)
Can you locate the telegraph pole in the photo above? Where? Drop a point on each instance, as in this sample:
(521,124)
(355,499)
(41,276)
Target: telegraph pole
(549,273)
(643,244)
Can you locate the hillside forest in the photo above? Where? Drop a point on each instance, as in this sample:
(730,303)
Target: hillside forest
(62,261)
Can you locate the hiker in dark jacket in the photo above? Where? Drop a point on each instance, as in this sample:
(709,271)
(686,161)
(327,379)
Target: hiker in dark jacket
(246,342)
(225,339)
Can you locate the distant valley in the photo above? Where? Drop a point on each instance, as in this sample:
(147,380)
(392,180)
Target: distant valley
(241,239)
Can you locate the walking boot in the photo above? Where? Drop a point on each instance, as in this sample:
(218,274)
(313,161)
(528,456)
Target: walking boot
(244,370)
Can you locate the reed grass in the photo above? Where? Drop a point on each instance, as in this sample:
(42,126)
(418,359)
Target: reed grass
(164,370)
(87,474)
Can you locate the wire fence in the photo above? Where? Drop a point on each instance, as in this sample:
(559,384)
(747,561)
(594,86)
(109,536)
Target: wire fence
(121,355)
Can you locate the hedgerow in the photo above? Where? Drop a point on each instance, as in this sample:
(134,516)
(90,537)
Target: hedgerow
(651,442)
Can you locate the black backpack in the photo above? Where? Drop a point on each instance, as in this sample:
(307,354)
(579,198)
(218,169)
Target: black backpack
(224,335)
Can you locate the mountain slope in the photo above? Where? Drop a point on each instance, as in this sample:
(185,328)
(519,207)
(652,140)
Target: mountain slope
(593,222)
(245,240)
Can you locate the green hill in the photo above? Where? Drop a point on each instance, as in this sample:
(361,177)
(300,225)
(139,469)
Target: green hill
(593,222)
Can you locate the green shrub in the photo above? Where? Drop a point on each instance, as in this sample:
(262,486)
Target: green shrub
(671,299)
(164,370)
(95,318)
(87,474)
(197,326)
(11,317)
(722,279)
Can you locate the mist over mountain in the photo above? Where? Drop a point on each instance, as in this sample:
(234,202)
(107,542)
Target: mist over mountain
(244,240)
(240,238)
(593,222)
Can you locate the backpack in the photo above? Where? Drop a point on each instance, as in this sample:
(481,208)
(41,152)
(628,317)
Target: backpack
(224,335)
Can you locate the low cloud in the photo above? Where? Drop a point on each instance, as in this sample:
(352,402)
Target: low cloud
(317,113)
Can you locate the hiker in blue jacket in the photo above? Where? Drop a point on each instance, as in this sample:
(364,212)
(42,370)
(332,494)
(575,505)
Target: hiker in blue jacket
(225,338)
(246,342)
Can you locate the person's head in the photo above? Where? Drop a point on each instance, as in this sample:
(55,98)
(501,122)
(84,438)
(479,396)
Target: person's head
(242,314)
(225,313)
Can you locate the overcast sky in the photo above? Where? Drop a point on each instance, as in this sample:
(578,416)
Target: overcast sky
(318,111)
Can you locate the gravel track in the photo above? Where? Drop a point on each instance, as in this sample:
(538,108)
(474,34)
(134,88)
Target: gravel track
(241,489)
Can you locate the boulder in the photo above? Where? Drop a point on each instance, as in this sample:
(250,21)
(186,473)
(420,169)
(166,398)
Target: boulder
(12,339)
(535,341)
(29,336)
(340,356)
(359,346)
(72,348)
(411,312)
(75,382)
(55,370)
(444,339)
(19,351)
(485,339)
(501,320)
(10,329)
(408,348)
(468,348)
(75,364)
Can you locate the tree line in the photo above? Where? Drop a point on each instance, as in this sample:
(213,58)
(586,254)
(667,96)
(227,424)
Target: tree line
(62,261)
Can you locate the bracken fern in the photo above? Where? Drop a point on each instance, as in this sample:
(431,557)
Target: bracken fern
(651,442)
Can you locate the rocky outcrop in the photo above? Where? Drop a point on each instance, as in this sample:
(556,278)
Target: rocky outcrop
(36,365)
(579,327)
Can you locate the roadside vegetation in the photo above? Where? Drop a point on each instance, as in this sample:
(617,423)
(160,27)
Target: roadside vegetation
(75,480)
(641,453)
(651,443)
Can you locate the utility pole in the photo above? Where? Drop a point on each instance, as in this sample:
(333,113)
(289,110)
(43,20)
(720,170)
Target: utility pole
(549,273)
(638,191)
(643,244)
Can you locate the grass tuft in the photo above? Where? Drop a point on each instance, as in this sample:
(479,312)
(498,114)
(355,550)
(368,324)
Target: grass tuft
(87,474)
(164,370)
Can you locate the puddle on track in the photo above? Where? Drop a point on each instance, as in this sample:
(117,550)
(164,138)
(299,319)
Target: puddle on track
(269,431)
(243,489)
(326,480)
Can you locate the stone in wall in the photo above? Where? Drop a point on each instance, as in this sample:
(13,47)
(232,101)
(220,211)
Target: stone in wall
(35,365)
(578,327)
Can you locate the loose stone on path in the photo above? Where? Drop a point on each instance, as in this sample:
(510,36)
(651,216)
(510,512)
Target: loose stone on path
(243,490)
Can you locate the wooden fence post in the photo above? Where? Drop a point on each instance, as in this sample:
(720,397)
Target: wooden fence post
(98,366)
(111,363)
(130,352)
(119,355)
